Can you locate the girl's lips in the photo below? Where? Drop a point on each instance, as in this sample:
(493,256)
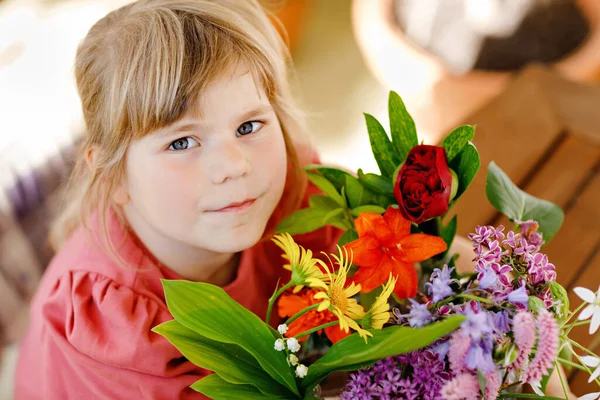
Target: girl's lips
(237,208)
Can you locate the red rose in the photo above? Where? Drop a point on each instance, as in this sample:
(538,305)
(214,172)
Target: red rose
(424,184)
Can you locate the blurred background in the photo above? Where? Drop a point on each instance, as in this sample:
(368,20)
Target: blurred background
(525,71)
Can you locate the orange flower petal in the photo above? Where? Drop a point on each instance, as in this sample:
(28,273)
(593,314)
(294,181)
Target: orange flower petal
(366,251)
(419,247)
(290,304)
(406,285)
(374,224)
(370,278)
(335,334)
(399,226)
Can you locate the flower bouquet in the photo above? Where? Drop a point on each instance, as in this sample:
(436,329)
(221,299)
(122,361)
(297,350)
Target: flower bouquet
(390,304)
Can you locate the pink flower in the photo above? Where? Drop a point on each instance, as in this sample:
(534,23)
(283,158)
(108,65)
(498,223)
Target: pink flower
(524,330)
(464,386)
(492,389)
(459,346)
(546,349)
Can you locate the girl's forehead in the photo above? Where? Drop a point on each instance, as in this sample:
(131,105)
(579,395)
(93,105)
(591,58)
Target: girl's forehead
(228,92)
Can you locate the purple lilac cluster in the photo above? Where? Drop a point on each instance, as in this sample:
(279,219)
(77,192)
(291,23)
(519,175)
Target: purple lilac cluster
(510,266)
(416,375)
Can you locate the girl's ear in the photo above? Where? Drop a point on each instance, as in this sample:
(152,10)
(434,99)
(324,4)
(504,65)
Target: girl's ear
(120,195)
(90,156)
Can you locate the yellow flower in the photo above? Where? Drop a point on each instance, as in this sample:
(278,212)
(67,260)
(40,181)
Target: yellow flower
(301,262)
(379,314)
(337,299)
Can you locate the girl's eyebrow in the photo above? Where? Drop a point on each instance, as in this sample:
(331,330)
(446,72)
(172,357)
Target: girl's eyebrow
(187,126)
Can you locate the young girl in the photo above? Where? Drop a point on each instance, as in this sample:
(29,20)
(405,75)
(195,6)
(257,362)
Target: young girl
(191,159)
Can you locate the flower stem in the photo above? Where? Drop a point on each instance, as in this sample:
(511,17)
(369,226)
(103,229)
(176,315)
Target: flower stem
(562,383)
(573,314)
(570,363)
(526,396)
(308,332)
(597,380)
(274,297)
(476,298)
(301,312)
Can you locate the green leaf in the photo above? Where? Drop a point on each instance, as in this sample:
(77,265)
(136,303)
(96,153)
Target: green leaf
(546,379)
(334,175)
(334,215)
(327,187)
(536,304)
(511,201)
(448,231)
(482,380)
(372,209)
(360,195)
(457,140)
(382,147)
(354,192)
(376,183)
(322,202)
(303,221)
(208,310)
(217,388)
(229,361)
(348,237)
(465,164)
(559,294)
(390,341)
(402,127)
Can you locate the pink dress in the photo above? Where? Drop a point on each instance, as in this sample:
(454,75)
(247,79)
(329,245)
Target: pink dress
(90,331)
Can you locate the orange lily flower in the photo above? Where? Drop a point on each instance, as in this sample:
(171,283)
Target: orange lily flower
(385,245)
(291,303)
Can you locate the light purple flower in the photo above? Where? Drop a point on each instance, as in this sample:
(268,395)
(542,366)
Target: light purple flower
(519,296)
(524,249)
(501,322)
(487,278)
(479,356)
(503,273)
(511,239)
(419,316)
(476,324)
(439,285)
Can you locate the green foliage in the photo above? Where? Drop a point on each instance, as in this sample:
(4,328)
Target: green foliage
(511,201)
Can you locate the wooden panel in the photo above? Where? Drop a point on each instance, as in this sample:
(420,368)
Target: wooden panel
(516,130)
(579,235)
(590,279)
(559,179)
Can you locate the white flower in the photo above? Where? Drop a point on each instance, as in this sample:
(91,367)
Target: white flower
(301,371)
(279,345)
(283,328)
(591,396)
(592,362)
(593,310)
(293,359)
(293,345)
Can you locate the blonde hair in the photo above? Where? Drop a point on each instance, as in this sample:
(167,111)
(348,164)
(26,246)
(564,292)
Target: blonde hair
(140,67)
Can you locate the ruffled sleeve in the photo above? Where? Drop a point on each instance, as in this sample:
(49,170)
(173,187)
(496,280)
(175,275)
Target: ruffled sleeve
(98,343)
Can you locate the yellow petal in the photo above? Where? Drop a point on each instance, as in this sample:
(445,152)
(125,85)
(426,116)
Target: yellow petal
(324,305)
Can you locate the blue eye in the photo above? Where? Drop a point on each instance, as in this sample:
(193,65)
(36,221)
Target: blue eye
(183,144)
(249,127)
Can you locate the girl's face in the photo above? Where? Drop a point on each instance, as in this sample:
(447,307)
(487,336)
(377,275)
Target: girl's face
(211,180)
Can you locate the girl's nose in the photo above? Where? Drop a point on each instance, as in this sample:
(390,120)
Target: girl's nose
(228,161)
